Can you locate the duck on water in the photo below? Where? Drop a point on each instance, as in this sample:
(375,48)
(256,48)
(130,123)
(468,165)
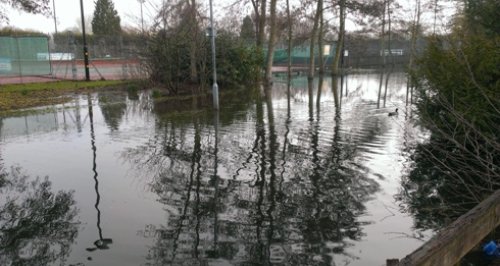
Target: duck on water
(394,113)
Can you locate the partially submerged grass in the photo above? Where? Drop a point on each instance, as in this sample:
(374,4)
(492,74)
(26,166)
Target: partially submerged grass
(60,85)
(20,96)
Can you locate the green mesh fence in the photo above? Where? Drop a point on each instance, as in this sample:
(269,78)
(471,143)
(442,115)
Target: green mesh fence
(24,56)
(301,54)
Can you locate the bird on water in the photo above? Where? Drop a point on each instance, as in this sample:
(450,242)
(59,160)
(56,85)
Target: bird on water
(394,113)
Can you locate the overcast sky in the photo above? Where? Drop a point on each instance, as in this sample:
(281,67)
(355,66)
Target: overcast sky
(68,14)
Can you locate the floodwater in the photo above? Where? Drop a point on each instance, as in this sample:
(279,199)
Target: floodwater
(116,178)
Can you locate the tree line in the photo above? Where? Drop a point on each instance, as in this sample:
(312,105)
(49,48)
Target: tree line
(264,25)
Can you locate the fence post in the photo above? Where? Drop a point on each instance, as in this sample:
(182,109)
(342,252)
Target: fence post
(19,60)
(122,59)
(72,42)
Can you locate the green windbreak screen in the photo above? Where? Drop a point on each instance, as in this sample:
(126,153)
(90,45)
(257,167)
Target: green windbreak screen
(301,54)
(24,56)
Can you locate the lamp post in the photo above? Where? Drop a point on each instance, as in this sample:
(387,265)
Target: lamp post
(142,18)
(215,87)
(85,49)
(55,19)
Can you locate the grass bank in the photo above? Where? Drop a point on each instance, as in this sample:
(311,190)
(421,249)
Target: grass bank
(19,96)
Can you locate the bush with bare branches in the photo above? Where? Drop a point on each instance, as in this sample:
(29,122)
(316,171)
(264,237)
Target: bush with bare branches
(459,102)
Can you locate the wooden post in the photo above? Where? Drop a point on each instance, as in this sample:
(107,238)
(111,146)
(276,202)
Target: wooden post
(455,241)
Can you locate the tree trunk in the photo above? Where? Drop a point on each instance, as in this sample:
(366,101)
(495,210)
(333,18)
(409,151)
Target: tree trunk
(193,75)
(262,25)
(435,15)
(321,62)
(391,58)
(312,43)
(382,54)
(272,40)
(414,32)
(339,49)
(255,5)
(389,34)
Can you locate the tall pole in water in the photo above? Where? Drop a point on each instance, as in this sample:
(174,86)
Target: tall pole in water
(215,87)
(85,49)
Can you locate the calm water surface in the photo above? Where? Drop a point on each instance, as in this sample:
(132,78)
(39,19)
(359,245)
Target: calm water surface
(277,180)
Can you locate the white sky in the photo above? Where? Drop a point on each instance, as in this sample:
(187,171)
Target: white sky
(68,14)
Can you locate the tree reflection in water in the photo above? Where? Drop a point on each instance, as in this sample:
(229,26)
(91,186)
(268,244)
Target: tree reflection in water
(279,193)
(113,107)
(37,225)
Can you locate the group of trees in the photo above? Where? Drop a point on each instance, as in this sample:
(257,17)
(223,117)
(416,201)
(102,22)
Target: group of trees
(459,102)
(312,23)
(178,50)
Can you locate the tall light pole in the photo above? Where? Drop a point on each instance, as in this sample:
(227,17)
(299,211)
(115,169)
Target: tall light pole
(142,18)
(55,19)
(85,49)
(215,87)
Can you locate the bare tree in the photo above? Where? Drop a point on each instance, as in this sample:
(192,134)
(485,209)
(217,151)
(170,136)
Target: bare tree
(259,8)
(30,6)
(340,39)
(272,42)
(312,42)
(415,29)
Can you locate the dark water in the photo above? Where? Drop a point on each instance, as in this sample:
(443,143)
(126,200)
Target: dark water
(268,180)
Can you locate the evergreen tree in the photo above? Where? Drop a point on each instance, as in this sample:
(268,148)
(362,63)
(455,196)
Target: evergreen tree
(247,32)
(106,20)
(482,17)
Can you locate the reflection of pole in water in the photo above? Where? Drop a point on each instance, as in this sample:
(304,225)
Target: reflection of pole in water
(64,117)
(78,116)
(26,125)
(101,243)
(216,181)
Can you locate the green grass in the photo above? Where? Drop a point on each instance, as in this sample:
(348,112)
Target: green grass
(20,96)
(60,85)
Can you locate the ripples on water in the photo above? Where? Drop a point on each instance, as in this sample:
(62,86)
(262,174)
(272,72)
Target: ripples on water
(276,180)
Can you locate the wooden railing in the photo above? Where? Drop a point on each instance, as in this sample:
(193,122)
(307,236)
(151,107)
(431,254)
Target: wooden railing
(455,241)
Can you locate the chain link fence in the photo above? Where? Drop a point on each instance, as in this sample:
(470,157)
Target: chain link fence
(36,59)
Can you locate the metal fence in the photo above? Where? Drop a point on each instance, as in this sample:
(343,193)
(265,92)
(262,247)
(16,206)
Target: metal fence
(36,59)
(24,56)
